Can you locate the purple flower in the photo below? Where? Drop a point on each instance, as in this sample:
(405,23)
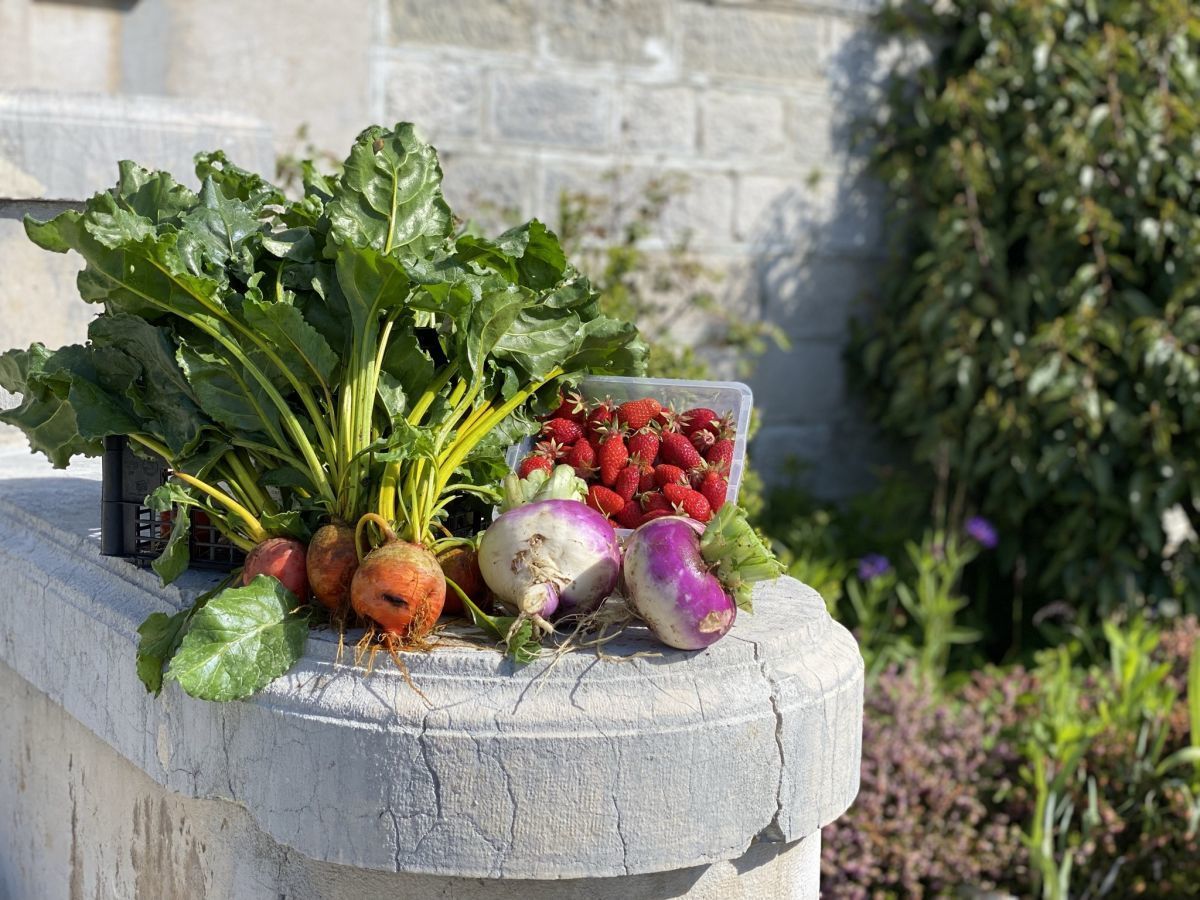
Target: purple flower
(872,566)
(982,531)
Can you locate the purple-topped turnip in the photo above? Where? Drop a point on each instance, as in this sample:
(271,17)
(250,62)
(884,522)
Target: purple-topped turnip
(687,581)
(548,556)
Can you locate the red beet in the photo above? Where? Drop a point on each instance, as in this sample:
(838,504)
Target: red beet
(282,558)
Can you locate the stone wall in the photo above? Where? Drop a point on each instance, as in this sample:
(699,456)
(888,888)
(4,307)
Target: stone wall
(750,101)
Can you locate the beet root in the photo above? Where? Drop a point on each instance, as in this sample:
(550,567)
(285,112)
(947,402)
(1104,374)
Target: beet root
(400,587)
(461,565)
(332,562)
(283,558)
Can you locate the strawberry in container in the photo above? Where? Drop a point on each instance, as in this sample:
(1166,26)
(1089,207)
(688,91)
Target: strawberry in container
(646,447)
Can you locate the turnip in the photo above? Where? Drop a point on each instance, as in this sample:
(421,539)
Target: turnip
(282,558)
(687,581)
(548,556)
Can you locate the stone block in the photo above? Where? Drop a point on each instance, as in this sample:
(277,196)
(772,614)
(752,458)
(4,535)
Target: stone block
(805,382)
(753,42)
(465,780)
(73,47)
(658,118)
(70,143)
(834,459)
(811,129)
(444,100)
(495,25)
(38,300)
(307,66)
(544,109)
(742,125)
(698,209)
(812,295)
(62,783)
(785,454)
(781,211)
(493,192)
(856,223)
(629,32)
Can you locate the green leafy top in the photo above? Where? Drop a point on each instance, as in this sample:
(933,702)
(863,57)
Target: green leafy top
(298,360)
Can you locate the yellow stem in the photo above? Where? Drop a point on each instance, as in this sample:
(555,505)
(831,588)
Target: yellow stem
(254,528)
(383,525)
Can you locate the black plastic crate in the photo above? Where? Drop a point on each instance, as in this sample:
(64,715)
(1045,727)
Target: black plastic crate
(130,529)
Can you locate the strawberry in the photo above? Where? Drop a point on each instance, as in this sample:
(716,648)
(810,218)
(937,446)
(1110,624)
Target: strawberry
(647,482)
(688,502)
(698,419)
(665,474)
(627,482)
(667,419)
(720,456)
(601,415)
(630,516)
(604,501)
(532,463)
(715,488)
(613,457)
(637,414)
(565,431)
(582,457)
(645,443)
(656,514)
(702,439)
(571,406)
(551,449)
(654,500)
(678,451)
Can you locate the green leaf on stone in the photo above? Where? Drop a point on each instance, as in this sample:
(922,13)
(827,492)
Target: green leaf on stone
(243,638)
(159,638)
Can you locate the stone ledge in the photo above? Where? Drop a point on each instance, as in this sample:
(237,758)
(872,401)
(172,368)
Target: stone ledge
(66,146)
(586,768)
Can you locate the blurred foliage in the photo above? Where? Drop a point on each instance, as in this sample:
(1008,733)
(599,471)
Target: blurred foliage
(1039,334)
(902,595)
(295,165)
(927,819)
(1112,761)
(654,281)
(1078,777)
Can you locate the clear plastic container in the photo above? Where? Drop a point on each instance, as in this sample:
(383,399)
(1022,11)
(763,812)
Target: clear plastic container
(723,397)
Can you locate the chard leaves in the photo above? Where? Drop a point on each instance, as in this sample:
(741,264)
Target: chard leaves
(159,638)
(216,230)
(390,195)
(298,343)
(241,640)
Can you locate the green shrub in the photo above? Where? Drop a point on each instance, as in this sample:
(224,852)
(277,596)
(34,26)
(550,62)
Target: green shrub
(1079,777)
(1112,763)
(1038,340)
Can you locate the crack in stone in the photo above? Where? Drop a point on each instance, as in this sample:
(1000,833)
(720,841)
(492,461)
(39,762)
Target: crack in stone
(228,760)
(773,831)
(395,834)
(512,799)
(435,782)
(620,817)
